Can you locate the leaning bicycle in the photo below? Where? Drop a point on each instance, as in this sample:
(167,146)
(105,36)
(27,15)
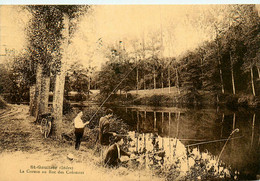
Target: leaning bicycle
(46,124)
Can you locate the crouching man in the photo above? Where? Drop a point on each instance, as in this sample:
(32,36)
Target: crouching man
(114,153)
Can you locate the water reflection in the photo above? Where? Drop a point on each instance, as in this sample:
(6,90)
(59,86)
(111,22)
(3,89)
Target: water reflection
(195,126)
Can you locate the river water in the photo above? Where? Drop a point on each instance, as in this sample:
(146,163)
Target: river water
(195,127)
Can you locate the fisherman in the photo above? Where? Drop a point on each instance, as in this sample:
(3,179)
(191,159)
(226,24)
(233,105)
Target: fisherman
(104,132)
(79,129)
(114,153)
(104,128)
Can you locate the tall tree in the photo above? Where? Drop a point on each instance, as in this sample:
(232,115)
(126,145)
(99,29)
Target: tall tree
(66,13)
(48,39)
(251,27)
(191,76)
(44,41)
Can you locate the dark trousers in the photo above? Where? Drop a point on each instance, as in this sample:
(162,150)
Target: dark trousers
(78,133)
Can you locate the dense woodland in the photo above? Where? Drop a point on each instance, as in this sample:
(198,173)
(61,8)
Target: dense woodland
(229,64)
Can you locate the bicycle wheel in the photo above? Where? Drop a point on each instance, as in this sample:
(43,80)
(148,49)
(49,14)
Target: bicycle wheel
(43,122)
(47,129)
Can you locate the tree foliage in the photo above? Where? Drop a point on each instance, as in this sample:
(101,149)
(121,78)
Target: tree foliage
(234,53)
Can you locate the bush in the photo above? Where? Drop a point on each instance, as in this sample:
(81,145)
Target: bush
(3,104)
(80,97)
(156,100)
(232,102)
(66,107)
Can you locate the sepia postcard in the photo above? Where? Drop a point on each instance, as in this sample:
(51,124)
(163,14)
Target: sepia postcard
(129,92)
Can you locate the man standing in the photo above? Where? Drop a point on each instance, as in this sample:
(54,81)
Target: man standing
(104,128)
(79,129)
(104,132)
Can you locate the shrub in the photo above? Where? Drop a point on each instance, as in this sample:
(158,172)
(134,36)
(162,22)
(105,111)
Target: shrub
(3,104)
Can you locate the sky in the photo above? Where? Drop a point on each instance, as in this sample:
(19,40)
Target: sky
(12,24)
(177,25)
(180,27)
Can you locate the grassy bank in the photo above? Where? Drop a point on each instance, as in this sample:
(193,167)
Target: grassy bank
(23,144)
(166,97)
(183,164)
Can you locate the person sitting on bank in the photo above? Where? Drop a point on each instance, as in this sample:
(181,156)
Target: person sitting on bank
(79,129)
(104,129)
(114,153)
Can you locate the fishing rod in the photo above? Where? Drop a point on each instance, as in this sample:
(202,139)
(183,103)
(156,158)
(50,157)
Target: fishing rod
(111,94)
(213,141)
(234,131)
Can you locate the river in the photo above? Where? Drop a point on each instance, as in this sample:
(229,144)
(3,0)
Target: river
(193,126)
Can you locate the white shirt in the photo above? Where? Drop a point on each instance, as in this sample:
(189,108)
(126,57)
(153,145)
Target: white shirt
(78,123)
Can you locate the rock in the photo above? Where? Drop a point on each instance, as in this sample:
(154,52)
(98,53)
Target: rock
(70,156)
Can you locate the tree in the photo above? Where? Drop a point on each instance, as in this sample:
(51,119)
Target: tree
(114,71)
(48,37)
(212,71)
(78,79)
(191,76)
(15,77)
(66,13)
(251,31)
(43,34)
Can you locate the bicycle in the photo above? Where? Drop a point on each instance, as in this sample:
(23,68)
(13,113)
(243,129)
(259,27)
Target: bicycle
(45,127)
(46,124)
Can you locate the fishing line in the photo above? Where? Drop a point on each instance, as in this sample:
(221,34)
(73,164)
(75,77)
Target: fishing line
(213,141)
(111,93)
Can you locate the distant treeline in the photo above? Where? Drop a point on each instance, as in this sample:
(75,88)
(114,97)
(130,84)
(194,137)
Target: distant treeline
(229,64)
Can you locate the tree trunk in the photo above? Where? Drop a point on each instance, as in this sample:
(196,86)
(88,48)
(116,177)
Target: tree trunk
(253,129)
(222,123)
(154,79)
(252,80)
(234,121)
(169,79)
(32,96)
(177,81)
(44,97)
(232,74)
(37,89)
(137,81)
(233,81)
(162,80)
(258,72)
(89,82)
(60,81)
(58,101)
(220,72)
(144,82)
(221,80)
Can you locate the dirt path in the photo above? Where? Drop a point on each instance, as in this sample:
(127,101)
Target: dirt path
(19,133)
(22,146)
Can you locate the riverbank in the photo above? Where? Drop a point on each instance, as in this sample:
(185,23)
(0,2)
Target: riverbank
(25,154)
(171,97)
